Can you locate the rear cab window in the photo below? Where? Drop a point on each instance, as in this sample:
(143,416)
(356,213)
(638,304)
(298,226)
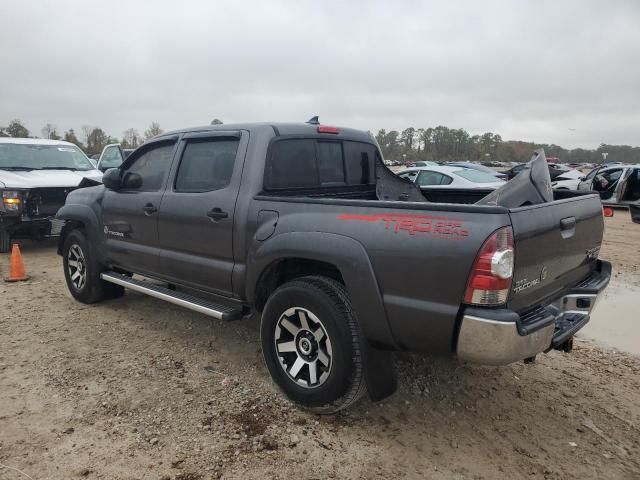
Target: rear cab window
(310,163)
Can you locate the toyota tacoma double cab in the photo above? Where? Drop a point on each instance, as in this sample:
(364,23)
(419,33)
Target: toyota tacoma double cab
(35,177)
(344,262)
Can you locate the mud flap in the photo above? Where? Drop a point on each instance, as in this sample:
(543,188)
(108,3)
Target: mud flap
(380,373)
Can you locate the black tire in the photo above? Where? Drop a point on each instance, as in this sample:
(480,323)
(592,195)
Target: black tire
(5,241)
(92,289)
(326,301)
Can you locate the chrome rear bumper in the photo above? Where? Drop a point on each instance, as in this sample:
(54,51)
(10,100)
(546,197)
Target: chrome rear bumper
(500,337)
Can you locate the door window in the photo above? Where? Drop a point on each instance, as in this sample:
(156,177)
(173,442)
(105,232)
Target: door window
(148,171)
(411,175)
(206,165)
(427,178)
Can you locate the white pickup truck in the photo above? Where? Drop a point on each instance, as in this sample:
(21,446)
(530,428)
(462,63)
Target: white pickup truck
(35,177)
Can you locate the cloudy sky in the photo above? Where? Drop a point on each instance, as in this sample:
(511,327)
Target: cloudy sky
(566,72)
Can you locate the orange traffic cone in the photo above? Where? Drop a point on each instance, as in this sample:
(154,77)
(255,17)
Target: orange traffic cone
(16,266)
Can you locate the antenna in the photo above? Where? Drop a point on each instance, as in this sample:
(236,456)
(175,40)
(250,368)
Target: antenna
(313,121)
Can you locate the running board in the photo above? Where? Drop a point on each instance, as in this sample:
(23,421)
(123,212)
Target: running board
(216,310)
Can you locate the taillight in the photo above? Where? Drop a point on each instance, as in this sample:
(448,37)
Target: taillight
(490,279)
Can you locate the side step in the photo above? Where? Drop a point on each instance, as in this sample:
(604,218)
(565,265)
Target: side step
(216,310)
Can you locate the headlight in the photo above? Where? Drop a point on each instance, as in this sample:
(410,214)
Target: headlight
(11,201)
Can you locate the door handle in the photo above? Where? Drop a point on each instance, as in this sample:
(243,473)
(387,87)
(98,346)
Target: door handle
(567,223)
(217,214)
(149,209)
(568,227)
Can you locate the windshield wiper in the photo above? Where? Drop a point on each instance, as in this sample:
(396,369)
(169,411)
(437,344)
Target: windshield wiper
(17,168)
(64,168)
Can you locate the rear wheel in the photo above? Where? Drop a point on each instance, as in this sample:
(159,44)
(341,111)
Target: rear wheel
(312,344)
(82,271)
(5,241)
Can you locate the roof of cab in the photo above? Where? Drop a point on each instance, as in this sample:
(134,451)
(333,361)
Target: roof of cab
(33,141)
(278,129)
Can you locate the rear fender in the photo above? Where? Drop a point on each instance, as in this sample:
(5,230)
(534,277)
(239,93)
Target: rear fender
(348,256)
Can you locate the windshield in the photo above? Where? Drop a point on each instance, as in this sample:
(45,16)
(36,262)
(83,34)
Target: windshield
(476,176)
(42,157)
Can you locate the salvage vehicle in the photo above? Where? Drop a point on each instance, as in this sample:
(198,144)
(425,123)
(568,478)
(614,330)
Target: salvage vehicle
(35,177)
(555,170)
(343,261)
(480,167)
(568,180)
(617,184)
(444,184)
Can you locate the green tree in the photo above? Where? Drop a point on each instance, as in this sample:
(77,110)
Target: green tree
(216,121)
(153,130)
(17,130)
(407,136)
(97,140)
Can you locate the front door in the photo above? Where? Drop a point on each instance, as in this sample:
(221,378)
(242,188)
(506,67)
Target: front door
(606,183)
(130,214)
(197,214)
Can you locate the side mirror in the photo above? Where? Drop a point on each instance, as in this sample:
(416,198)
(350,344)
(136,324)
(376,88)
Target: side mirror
(583,178)
(131,181)
(111,179)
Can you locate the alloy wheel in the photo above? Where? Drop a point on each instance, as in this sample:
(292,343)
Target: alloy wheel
(77,267)
(303,347)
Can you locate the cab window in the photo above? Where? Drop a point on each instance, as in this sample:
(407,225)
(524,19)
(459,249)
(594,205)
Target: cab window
(318,163)
(206,165)
(148,172)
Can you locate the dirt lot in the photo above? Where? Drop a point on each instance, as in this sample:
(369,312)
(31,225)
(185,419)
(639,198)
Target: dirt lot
(139,389)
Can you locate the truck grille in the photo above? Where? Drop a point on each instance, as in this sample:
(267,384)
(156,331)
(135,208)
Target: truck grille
(45,202)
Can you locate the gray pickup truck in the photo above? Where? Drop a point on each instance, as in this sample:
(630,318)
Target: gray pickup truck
(344,262)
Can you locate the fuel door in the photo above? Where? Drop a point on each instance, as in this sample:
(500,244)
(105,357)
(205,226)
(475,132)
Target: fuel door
(267,223)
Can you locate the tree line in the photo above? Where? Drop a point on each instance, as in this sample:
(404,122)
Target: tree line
(438,144)
(456,144)
(90,139)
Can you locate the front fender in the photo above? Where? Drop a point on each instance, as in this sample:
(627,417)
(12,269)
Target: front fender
(348,256)
(85,215)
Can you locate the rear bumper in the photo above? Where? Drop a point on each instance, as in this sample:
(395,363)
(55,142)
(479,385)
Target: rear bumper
(501,336)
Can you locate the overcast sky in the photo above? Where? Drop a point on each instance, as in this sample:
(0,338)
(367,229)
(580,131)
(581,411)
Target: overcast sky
(565,72)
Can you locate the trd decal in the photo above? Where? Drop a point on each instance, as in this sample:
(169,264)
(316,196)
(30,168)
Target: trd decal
(413,224)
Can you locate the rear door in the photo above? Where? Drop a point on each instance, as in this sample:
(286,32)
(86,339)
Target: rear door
(556,245)
(130,214)
(197,214)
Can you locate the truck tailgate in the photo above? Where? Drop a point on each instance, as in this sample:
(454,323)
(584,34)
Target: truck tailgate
(556,246)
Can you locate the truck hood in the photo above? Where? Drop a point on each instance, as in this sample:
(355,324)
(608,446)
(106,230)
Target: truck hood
(46,178)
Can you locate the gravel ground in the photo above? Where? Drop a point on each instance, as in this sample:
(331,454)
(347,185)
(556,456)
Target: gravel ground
(139,389)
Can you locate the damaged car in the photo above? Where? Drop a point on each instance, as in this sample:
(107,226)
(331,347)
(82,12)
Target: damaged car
(36,176)
(617,184)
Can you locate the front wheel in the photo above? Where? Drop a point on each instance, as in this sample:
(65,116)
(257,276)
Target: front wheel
(312,344)
(82,272)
